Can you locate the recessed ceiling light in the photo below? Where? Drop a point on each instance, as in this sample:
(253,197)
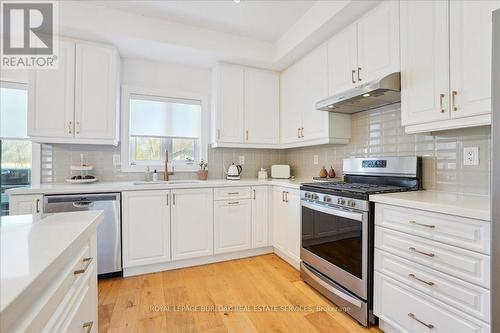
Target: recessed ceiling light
(236,1)
(366,95)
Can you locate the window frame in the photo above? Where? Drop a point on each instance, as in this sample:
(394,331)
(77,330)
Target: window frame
(126,158)
(35,147)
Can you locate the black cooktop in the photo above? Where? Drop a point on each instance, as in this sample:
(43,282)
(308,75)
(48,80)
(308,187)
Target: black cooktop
(358,190)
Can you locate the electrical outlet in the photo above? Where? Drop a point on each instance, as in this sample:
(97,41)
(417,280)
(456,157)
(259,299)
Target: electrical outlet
(315,159)
(242,160)
(471,156)
(116,160)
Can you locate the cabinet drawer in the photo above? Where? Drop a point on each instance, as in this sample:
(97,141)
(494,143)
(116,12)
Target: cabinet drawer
(228,193)
(453,230)
(411,311)
(470,266)
(467,297)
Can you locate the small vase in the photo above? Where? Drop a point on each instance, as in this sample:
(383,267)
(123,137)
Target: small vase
(323,173)
(331,173)
(203,174)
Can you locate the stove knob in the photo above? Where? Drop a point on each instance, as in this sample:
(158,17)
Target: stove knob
(315,197)
(351,203)
(307,195)
(341,201)
(327,199)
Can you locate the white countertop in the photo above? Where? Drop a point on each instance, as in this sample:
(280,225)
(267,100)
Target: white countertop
(465,205)
(97,187)
(29,244)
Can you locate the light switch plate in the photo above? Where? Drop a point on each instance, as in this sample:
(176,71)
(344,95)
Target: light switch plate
(471,156)
(315,160)
(242,160)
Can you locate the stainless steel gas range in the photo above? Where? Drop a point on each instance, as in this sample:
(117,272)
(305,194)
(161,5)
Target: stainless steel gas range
(338,229)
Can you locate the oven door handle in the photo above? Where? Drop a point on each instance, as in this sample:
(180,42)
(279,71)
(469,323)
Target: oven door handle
(352,300)
(336,212)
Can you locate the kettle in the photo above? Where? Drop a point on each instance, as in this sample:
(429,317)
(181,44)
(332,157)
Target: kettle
(234,171)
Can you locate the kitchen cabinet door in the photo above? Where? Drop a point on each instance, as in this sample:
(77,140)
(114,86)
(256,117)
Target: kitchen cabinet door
(279,219)
(232,225)
(424,61)
(51,97)
(260,216)
(146,227)
(293,223)
(314,83)
(378,42)
(96,92)
(342,61)
(261,106)
(25,204)
(470,57)
(192,223)
(229,103)
(290,105)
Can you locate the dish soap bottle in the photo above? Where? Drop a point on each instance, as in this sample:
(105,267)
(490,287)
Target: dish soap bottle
(147,174)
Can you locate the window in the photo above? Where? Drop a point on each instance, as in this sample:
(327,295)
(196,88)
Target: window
(16,149)
(160,125)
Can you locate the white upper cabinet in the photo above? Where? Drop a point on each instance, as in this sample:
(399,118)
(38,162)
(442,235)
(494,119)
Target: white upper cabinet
(192,223)
(78,102)
(290,105)
(51,97)
(229,103)
(261,106)
(446,64)
(424,61)
(470,57)
(343,60)
(96,92)
(378,42)
(245,108)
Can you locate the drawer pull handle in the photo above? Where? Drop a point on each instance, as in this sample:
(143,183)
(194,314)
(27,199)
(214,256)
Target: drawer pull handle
(413,276)
(233,203)
(412,316)
(233,193)
(412,249)
(88,326)
(87,262)
(422,224)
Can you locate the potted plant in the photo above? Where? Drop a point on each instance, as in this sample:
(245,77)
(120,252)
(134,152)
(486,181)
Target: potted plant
(203,173)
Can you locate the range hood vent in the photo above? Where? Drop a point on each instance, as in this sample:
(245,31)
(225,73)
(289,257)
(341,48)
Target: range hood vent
(368,96)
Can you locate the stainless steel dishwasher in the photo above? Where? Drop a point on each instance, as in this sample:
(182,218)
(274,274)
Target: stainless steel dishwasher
(109,248)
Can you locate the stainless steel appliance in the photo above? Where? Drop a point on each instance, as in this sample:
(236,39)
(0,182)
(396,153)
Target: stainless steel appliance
(371,95)
(338,229)
(495,193)
(109,249)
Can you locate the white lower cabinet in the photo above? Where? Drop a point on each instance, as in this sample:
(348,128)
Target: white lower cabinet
(260,216)
(286,224)
(432,271)
(232,225)
(25,204)
(146,227)
(192,223)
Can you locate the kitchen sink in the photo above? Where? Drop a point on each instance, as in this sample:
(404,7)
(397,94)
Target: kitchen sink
(163,182)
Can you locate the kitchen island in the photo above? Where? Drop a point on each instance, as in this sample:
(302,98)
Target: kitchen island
(48,272)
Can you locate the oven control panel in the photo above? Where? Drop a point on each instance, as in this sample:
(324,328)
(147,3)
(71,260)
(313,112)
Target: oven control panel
(334,200)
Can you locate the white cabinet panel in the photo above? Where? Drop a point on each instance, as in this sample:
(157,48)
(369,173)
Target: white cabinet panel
(424,61)
(378,42)
(146,227)
(261,106)
(314,87)
(232,225)
(342,61)
(229,103)
(470,56)
(51,97)
(290,105)
(233,192)
(260,216)
(96,91)
(25,204)
(192,223)
(286,223)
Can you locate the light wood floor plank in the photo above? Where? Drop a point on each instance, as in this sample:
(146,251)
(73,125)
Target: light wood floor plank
(146,303)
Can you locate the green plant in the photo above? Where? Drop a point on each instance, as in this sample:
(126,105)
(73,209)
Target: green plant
(203,165)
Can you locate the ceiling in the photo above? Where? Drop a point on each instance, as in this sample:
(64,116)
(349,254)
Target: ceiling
(265,20)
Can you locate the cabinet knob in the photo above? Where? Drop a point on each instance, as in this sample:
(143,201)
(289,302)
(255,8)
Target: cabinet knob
(441,102)
(359,73)
(353,79)
(454,93)
(70,127)
(77,127)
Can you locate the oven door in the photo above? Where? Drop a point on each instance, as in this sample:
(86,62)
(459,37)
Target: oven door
(335,243)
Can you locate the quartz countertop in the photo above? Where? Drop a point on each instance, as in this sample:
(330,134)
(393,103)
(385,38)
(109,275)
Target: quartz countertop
(97,187)
(465,205)
(31,243)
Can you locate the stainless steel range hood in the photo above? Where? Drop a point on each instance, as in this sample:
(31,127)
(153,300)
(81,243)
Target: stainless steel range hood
(368,96)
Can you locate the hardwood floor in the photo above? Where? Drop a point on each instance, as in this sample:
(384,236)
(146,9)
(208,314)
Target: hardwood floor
(265,288)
